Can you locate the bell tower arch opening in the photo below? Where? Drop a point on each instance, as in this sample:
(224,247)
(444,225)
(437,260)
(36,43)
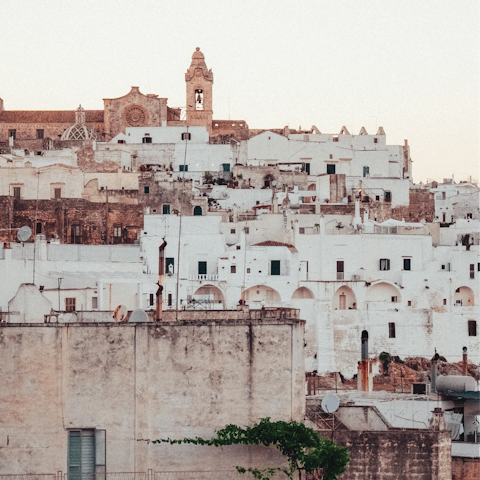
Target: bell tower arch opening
(199,83)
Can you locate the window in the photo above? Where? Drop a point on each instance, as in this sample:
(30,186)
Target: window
(146,189)
(366,171)
(331,168)
(247,231)
(121,141)
(388,196)
(444,301)
(233,269)
(238,247)
(86,453)
(94,303)
(472,270)
(444,195)
(340,269)
(169,265)
(17,192)
(375,140)
(307,168)
(186,136)
(57,193)
(472,328)
(38,228)
(169,300)
(377,198)
(444,217)
(12,133)
(478,267)
(469,215)
(166,209)
(407,263)
(39,134)
(391,330)
(394,299)
(226,167)
(331,157)
(232,230)
(117,231)
(70,304)
(301,230)
(198,99)
(151,299)
(384,264)
(248,270)
(409,303)
(446,267)
(75,234)
(275,267)
(147,140)
(335,139)
(202,268)
(183,168)
(197,211)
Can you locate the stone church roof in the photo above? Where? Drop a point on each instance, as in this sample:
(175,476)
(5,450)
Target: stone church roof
(52,116)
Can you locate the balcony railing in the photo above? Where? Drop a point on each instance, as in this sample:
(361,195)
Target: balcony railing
(204,277)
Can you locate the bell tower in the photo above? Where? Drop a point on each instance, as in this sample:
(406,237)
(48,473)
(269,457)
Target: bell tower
(199,82)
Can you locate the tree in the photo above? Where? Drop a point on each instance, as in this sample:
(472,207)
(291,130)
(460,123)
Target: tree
(304,448)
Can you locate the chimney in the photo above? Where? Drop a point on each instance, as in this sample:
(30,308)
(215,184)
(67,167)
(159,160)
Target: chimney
(465,361)
(437,422)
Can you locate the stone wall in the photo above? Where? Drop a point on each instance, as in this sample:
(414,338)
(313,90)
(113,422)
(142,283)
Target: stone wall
(179,378)
(254,177)
(465,468)
(405,454)
(57,217)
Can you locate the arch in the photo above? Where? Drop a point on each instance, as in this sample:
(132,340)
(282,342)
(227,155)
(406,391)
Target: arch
(312,186)
(383,292)
(267,180)
(262,293)
(344,299)
(464,296)
(198,211)
(302,292)
(208,294)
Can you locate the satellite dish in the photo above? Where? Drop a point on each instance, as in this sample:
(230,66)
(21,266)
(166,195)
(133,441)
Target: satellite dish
(138,316)
(330,403)
(120,313)
(345,200)
(24,233)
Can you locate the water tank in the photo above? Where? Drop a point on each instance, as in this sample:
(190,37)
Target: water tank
(455,383)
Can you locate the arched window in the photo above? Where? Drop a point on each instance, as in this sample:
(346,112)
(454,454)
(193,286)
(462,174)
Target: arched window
(344,299)
(267,181)
(197,210)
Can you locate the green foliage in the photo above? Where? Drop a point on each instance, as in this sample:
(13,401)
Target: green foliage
(303,447)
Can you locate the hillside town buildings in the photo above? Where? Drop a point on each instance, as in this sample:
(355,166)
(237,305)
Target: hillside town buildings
(308,243)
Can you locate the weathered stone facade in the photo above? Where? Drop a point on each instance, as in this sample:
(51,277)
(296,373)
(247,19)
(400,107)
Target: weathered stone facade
(72,220)
(187,376)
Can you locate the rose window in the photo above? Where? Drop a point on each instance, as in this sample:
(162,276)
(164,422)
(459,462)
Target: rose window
(135,116)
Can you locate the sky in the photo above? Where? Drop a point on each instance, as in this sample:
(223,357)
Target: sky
(407,65)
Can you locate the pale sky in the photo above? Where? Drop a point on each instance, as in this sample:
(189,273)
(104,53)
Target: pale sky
(409,66)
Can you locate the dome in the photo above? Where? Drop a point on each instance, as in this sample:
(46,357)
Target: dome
(79,132)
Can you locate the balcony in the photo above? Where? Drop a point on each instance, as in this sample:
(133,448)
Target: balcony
(203,277)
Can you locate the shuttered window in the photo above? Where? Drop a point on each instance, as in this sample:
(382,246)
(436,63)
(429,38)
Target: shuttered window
(86,454)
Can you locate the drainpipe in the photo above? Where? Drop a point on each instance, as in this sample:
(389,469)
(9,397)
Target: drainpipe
(161,271)
(434,373)
(465,361)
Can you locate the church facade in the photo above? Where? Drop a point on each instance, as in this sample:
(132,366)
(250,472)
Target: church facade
(39,130)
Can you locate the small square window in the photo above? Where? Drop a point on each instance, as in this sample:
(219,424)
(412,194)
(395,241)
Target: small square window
(232,230)
(248,270)
(146,189)
(407,263)
(238,247)
(301,230)
(12,133)
(166,209)
(409,303)
(444,301)
(384,264)
(57,192)
(233,269)
(394,299)
(330,168)
(186,136)
(121,141)
(40,134)
(94,303)
(247,231)
(375,140)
